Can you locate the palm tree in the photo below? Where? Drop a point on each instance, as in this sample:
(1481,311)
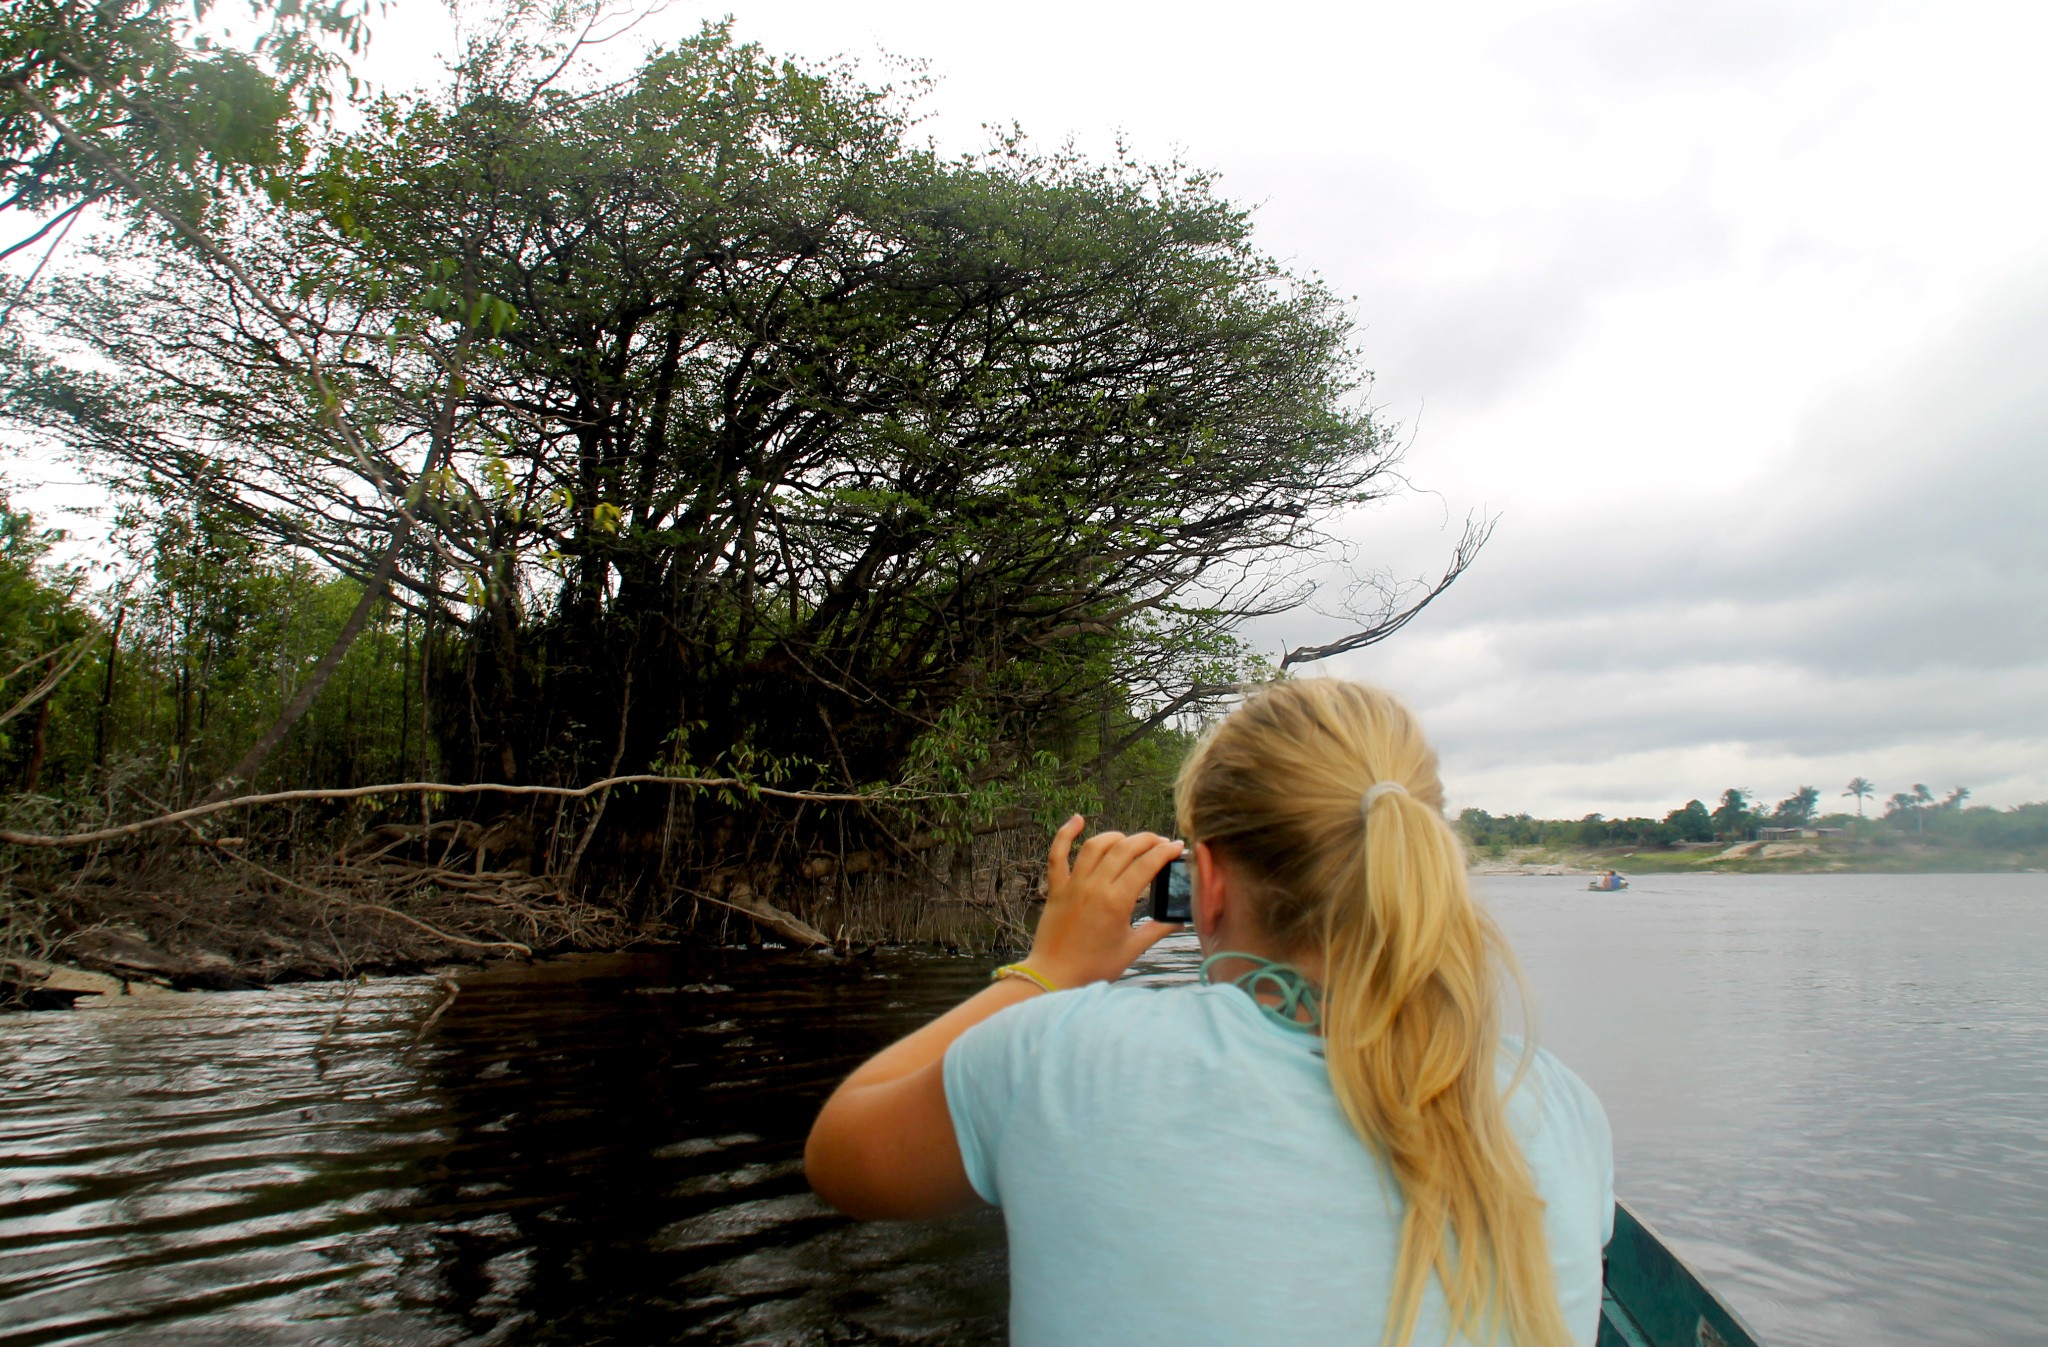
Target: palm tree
(1922,797)
(1955,798)
(1860,787)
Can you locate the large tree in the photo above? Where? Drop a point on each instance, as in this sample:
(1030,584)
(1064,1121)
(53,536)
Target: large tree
(1733,816)
(743,430)
(1797,809)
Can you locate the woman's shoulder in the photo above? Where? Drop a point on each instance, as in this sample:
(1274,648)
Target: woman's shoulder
(1055,1034)
(1104,1012)
(1102,1004)
(1550,1098)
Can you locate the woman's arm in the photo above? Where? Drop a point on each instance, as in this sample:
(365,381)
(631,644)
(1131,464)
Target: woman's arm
(884,1147)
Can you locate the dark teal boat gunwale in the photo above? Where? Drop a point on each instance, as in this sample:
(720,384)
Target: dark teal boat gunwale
(1651,1298)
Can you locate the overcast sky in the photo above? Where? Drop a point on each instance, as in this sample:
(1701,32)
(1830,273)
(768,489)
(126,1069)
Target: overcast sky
(1735,313)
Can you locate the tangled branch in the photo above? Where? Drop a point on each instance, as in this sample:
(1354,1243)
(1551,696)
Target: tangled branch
(473,788)
(72,655)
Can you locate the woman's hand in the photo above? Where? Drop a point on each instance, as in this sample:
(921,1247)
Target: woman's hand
(1085,933)
(884,1145)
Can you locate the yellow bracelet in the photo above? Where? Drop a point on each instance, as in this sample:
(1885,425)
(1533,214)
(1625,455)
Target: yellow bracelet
(1018,970)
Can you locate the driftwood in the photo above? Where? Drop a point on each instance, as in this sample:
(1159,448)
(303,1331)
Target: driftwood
(35,975)
(450,989)
(742,899)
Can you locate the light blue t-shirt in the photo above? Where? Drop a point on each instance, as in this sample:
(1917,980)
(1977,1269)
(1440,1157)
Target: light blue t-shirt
(1173,1167)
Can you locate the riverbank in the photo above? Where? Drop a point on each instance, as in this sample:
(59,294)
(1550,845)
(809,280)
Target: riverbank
(115,943)
(1865,856)
(216,914)
(152,948)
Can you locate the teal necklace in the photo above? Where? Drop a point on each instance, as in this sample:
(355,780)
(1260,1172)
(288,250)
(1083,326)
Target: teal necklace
(1295,1006)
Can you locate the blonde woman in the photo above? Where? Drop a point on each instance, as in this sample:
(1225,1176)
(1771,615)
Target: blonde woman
(1328,1141)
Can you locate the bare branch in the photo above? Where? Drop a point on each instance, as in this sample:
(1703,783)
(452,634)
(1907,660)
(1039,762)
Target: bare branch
(472,788)
(1393,619)
(78,651)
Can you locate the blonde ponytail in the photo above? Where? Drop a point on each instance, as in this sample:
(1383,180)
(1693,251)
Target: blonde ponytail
(1323,796)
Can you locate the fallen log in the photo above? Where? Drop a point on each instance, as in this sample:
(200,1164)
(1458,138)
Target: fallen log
(35,975)
(51,985)
(788,925)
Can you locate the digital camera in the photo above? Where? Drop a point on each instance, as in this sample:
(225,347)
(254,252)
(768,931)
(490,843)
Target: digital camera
(1173,892)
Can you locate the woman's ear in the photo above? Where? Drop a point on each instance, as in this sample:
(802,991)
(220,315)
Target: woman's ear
(1212,890)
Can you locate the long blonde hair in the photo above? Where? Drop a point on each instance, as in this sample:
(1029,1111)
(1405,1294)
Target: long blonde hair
(1410,982)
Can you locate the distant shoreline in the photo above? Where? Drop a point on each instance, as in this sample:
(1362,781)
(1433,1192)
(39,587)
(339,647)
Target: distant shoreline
(1792,858)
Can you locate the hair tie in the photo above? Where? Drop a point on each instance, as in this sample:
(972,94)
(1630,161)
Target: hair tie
(1377,789)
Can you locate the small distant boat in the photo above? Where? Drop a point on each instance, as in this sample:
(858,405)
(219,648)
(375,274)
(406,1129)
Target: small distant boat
(1652,1299)
(1608,884)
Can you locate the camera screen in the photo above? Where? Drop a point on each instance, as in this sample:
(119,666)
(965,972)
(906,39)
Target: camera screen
(1180,904)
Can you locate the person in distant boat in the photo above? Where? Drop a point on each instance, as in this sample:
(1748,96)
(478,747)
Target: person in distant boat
(1329,1139)
(1612,879)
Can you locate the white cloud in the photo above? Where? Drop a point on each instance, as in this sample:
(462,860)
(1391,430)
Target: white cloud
(1875,603)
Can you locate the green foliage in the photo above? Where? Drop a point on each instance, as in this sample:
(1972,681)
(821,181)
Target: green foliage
(39,624)
(1798,809)
(1112,766)
(1733,817)
(1923,832)
(1486,832)
(1692,823)
(1909,808)
(1861,788)
(210,646)
(2022,827)
(218,640)
(180,116)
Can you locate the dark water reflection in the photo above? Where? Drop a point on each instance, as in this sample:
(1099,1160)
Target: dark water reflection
(595,1151)
(1832,1092)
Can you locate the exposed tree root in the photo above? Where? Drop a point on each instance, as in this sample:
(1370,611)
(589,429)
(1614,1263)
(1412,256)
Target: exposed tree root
(317,894)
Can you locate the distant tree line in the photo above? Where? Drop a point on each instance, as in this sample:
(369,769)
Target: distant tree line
(1737,818)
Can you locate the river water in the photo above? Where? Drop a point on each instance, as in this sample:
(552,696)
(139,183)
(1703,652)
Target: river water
(1830,1092)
